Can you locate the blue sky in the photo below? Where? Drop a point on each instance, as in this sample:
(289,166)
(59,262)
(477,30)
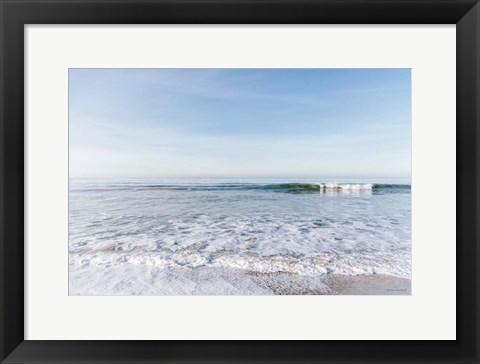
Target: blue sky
(240,122)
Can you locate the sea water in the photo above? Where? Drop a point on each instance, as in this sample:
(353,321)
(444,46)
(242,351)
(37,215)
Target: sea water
(305,226)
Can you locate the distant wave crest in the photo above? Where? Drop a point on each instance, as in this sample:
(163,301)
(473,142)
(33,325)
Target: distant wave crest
(288,187)
(322,186)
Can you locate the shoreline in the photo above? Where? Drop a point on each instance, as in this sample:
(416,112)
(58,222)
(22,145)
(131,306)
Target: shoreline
(146,280)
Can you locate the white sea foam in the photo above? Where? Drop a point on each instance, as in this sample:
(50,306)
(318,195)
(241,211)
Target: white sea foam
(347,186)
(255,227)
(314,265)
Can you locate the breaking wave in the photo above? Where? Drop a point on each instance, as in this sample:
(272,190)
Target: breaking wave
(290,187)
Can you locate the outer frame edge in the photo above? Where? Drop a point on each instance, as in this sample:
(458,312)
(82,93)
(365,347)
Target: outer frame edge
(468,180)
(11,180)
(16,353)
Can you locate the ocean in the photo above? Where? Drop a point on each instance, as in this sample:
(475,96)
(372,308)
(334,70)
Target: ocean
(301,226)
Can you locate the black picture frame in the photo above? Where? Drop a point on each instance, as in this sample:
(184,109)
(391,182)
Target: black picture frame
(17,13)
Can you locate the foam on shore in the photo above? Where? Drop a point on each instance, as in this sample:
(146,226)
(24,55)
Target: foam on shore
(204,281)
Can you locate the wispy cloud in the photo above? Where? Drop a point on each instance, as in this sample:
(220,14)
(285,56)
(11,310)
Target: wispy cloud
(239,122)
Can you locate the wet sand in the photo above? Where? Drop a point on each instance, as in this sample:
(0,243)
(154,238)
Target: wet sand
(335,284)
(369,284)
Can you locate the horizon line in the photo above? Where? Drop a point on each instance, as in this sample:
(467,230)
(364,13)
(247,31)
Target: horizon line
(252,176)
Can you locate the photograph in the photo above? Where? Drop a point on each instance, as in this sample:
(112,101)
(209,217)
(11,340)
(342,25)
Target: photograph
(240,182)
(236,181)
